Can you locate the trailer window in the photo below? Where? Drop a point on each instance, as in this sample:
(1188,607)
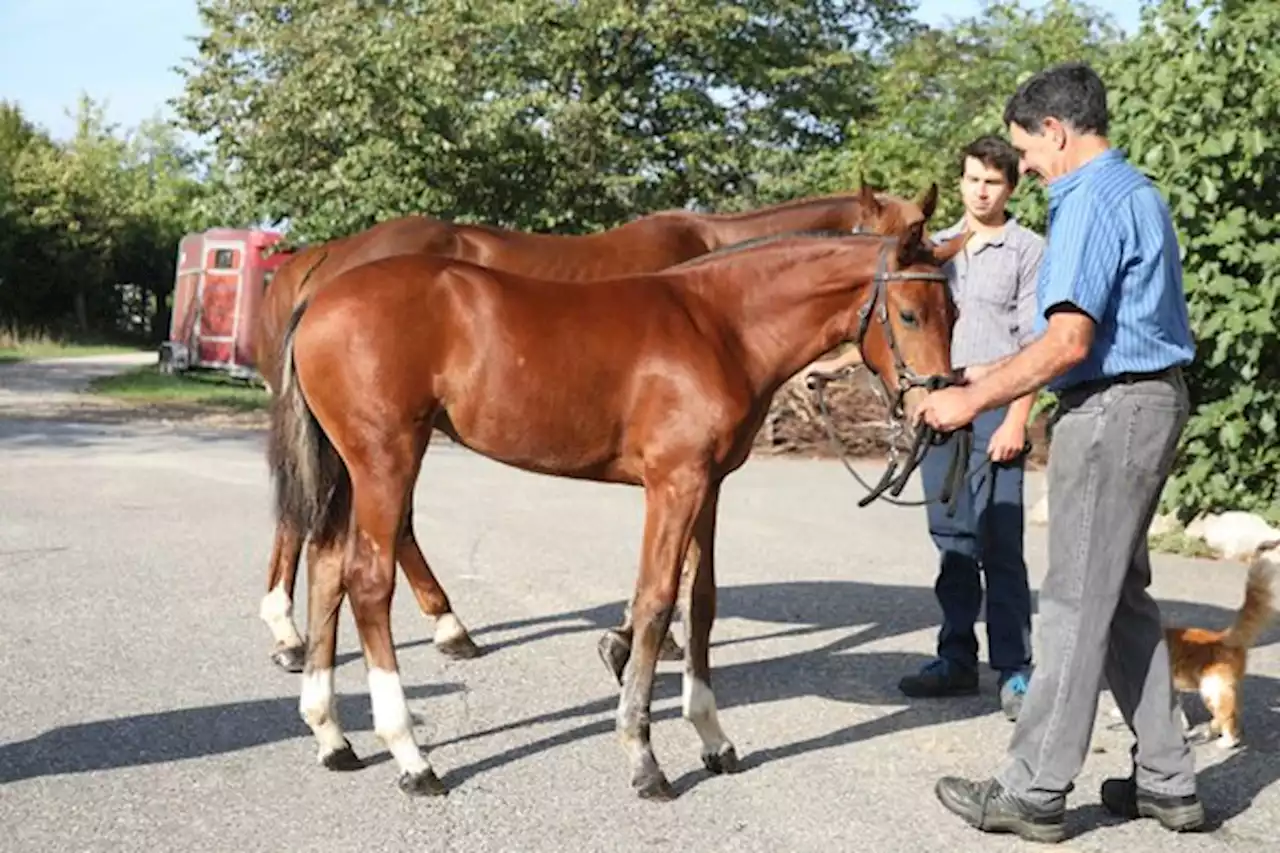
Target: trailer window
(224,259)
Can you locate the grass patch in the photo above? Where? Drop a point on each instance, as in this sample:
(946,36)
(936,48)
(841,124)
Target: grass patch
(207,390)
(20,345)
(1178,542)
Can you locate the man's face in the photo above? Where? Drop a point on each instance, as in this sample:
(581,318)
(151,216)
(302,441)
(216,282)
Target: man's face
(1040,153)
(984,191)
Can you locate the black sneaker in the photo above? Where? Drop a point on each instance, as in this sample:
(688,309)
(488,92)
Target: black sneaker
(940,677)
(990,808)
(1123,798)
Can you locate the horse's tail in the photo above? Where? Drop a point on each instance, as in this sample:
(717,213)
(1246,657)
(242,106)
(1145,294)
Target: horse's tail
(313,486)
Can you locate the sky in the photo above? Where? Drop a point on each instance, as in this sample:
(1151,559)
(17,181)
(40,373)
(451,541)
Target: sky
(124,52)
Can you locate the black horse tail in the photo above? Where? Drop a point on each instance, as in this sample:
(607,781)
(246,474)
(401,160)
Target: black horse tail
(313,487)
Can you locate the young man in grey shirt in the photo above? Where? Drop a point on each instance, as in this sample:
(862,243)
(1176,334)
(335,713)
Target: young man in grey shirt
(993,282)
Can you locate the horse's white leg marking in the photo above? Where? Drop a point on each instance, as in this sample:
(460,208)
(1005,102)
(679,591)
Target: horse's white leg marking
(449,630)
(700,709)
(318,710)
(277,612)
(391,720)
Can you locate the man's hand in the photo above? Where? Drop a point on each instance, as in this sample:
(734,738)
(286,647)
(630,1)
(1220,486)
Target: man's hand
(1007,441)
(948,409)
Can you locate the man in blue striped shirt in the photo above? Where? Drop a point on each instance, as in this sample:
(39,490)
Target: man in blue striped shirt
(1114,336)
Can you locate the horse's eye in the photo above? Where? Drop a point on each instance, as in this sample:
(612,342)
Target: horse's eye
(909,318)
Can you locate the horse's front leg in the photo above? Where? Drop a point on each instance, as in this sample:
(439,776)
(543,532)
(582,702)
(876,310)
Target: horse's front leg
(672,500)
(699,705)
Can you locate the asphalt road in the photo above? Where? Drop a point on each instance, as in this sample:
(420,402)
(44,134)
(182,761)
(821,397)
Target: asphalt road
(141,711)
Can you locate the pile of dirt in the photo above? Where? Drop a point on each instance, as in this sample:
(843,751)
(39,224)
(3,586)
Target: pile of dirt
(795,425)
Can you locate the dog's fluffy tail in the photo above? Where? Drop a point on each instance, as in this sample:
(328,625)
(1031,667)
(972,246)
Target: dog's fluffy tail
(1257,611)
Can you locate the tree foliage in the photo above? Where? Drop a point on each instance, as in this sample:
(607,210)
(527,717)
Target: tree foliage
(82,217)
(946,87)
(535,114)
(1195,105)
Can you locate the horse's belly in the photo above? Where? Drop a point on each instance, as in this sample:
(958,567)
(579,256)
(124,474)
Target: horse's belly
(538,441)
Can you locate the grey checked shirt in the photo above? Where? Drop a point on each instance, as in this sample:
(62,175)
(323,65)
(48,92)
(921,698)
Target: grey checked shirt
(994,288)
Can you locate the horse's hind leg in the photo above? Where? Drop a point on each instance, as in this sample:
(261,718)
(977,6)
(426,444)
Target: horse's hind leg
(277,605)
(671,502)
(382,479)
(699,704)
(451,637)
(316,705)
(614,645)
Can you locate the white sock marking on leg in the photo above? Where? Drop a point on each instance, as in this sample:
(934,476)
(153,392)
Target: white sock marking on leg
(317,709)
(449,629)
(277,611)
(700,709)
(391,720)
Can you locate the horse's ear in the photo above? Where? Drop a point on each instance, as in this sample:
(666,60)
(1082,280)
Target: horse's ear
(867,195)
(945,251)
(910,243)
(929,201)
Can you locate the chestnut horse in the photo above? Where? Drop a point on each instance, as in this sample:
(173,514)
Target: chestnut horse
(659,381)
(648,244)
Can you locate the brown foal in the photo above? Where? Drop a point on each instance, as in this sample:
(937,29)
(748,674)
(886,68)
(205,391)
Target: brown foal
(648,244)
(659,381)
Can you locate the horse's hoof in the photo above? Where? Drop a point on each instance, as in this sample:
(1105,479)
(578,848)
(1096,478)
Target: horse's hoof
(654,786)
(422,784)
(725,761)
(459,648)
(343,760)
(290,659)
(615,652)
(670,649)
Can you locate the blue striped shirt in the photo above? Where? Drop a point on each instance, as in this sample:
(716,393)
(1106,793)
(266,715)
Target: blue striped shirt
(1112,252)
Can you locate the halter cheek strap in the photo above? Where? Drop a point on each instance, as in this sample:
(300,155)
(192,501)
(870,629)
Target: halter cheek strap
(894,480)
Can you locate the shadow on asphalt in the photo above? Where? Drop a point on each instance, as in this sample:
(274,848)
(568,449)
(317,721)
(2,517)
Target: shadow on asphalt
(177,735)
(98,429)
(838,670)
(870,612)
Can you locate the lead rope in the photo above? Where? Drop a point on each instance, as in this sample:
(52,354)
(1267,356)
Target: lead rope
(958,475)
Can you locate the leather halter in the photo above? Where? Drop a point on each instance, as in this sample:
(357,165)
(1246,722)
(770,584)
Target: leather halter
(895,478)
(879,303)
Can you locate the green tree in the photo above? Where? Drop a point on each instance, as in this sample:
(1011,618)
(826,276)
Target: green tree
(537,114)
(81,218)
(1195,104)
(75,197)
(945,87)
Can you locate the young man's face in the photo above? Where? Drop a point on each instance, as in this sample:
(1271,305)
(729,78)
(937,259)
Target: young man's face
(984,191)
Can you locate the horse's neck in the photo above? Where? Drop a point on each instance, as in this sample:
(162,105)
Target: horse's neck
(792,311)
(763,223)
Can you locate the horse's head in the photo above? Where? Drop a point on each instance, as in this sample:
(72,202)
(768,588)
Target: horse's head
(875,212)
(905,326)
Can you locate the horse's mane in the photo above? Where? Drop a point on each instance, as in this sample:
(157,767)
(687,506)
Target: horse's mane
(757,242)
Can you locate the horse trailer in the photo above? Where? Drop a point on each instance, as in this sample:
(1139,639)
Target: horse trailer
(221,276)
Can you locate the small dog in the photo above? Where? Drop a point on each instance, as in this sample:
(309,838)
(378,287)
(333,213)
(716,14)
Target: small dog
(1213,663)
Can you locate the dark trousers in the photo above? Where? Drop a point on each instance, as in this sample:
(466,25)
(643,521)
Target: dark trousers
(982,539)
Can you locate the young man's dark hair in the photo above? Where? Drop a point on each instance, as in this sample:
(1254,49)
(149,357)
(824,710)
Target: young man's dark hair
(1071,92)
(995,153)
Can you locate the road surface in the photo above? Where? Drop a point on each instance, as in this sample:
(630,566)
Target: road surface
(141,711)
